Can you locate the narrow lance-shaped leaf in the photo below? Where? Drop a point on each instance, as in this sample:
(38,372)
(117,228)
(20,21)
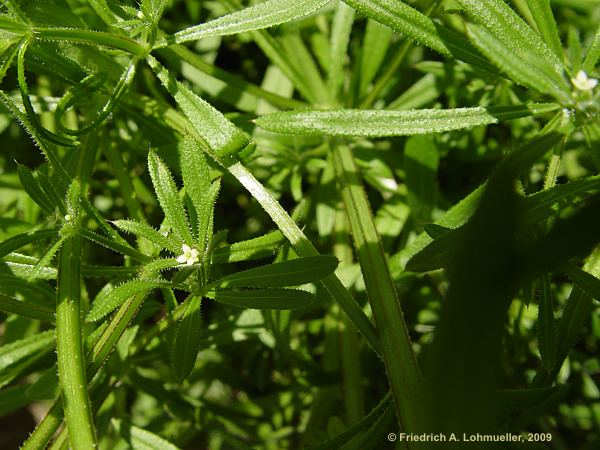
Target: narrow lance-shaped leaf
(506,25)
(340,36)
(587,282)
(404,19)
(417,26)
(543,204)
(45,260)
(22,308)
(222,136)
(17,351)
(288,273)
(109,299)
(523,69)
(265,298)
(29,110)
(186,341)
(257,17)
(442,250)
(375,45)
(139,438)
(544,20)
(377,123)
(168,197)
(196,179)
(256,248)
(140,229)
(593,53)
(38,292)
(34,190)
(20,240)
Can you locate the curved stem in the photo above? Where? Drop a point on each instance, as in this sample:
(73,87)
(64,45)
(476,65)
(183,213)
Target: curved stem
(91,37)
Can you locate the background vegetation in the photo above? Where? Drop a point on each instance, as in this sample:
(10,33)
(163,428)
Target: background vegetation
(298,223)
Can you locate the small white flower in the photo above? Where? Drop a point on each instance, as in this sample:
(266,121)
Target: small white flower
(582,82)
(189,256)
(68,218)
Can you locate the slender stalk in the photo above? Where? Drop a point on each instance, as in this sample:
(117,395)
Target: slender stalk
(69,348)
(398,356)
(349,342)
(45,429)
(304,247)
(91,37)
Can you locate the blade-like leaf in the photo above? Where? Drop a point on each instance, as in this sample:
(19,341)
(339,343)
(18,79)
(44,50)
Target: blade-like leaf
(376,123)
(265,298)
(109,299)
(11,305)
(543,204)
(168,197)
(186,341)
(256,248)
(420,164)
(546,25)
(13,398)
(441,251)
(218,132)
(196,179)
(288,273)
(19,350)
(46,387)
(515,400)
(417,26)
(506,25)
(20,240)
(340,37)
(522,68)
(257,17)
(587,282)
(593,53)
(404,19)
(140,439)
(34,190)
(375,45)
(146,231)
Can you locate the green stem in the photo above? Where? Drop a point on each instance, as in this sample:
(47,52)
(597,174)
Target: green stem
(349,343)
(69,348)
(91,37)
(45,429)
(554,166)
(398,356)
(304,247)
(96,358)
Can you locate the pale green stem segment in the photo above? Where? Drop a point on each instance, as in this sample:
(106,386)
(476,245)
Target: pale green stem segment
(91,37)
(305,248)
(69,348)
(101,350)
(45,429)
(402,369)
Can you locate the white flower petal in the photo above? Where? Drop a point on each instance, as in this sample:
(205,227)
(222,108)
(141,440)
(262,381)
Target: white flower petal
(583,83)
(181,259)
(186,248)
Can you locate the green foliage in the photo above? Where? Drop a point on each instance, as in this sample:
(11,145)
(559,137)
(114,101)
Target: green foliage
(301,224)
